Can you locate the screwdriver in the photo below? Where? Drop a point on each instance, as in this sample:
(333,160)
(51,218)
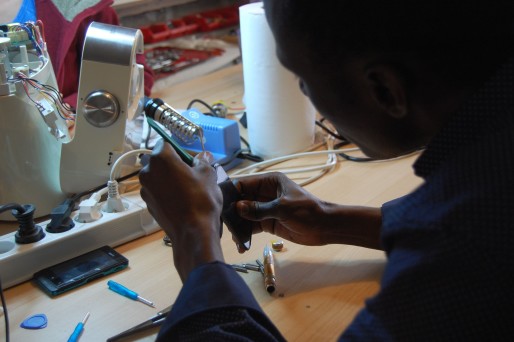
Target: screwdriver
(122,290)
(78,330)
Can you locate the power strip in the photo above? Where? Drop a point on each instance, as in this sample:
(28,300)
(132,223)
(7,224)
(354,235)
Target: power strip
(18,262)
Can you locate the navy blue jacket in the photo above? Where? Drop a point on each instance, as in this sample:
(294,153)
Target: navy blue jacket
(449,244)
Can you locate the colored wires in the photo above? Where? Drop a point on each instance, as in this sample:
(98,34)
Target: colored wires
(49,93)
(33,34)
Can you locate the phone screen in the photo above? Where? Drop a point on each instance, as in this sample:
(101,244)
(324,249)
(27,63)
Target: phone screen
(82,266)
(77,271)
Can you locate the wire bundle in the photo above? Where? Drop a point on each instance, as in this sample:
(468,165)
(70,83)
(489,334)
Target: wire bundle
(34,34)
(49,93)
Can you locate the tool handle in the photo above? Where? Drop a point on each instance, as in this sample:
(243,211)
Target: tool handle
(186,157)
(122,290)
(76,333)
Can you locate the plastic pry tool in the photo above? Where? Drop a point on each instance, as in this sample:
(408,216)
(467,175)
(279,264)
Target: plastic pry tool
(38,321)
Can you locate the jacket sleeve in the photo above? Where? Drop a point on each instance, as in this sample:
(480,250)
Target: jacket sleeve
(215,303)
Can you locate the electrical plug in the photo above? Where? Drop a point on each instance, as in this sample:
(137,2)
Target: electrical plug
(114,204)
(60,217)
(28,231)
(89,209)
(56,125)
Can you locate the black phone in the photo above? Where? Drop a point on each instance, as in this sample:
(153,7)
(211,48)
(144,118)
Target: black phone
(80,270)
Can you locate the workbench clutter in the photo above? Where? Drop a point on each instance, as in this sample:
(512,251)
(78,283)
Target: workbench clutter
(281,119)
(166,60)
(202,22)
(165,57)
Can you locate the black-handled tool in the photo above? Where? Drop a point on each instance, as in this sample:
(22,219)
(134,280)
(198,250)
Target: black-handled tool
(239,227)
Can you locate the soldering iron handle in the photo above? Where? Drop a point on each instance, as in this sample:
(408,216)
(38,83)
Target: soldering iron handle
(186,157)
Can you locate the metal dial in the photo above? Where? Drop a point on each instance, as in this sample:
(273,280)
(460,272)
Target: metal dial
(101,109)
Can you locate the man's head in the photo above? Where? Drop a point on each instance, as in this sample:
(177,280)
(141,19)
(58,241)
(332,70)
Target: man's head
(389,73)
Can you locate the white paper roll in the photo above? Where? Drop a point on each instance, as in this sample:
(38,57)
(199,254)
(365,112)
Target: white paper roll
(280,117)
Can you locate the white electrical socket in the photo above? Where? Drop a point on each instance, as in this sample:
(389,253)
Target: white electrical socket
(19,262)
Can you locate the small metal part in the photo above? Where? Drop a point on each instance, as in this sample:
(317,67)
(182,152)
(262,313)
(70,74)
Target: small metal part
(145,301)
(277,245)
(220,109)
(167,241)
(252,267)
(180,127)
(239,268)
(269,270)
(261,265)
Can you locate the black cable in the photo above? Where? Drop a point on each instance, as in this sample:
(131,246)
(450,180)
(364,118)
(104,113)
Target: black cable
(251,157)
(245,142)
(241,154)
(6,317)
(232,157)
(211,110)
(329,131)
(147,139)
(11,206)
(352,158)
(247,153)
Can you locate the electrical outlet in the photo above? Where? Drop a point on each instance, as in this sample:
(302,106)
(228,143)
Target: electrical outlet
(18,262)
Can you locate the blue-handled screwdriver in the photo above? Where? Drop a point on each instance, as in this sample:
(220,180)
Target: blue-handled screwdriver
(78,330)
(122,290)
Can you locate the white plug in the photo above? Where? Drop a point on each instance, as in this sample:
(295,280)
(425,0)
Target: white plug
(89,210)
(114,204)
(55,123)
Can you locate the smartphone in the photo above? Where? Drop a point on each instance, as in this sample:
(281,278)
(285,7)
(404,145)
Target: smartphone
(80,270)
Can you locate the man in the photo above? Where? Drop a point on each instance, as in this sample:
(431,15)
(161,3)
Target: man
(392,76)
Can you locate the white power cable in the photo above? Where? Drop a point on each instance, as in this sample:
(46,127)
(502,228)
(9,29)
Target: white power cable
(277,160)
(114,202)
(118,161)
(255,169)
(323,168)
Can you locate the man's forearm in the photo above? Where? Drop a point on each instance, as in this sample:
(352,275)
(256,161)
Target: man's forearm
(351,225)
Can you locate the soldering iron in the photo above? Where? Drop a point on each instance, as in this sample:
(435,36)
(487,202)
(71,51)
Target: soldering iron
(241,229)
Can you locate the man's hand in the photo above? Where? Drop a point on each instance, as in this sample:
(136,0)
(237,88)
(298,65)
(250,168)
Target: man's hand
(187,203)
(279,206)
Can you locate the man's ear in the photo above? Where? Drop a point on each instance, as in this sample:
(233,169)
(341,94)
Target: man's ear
(387,89)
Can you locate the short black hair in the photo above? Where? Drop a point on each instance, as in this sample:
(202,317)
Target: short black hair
(460,33)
